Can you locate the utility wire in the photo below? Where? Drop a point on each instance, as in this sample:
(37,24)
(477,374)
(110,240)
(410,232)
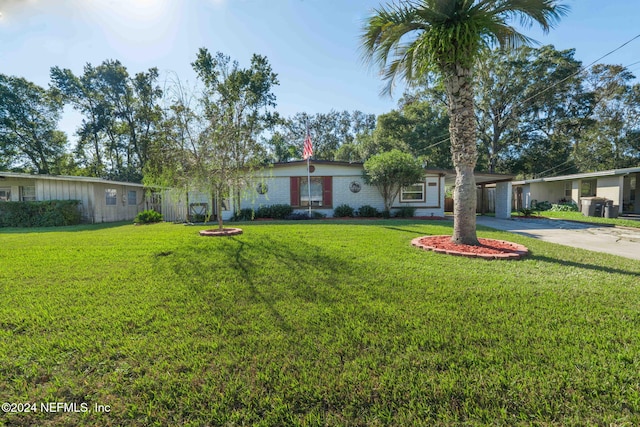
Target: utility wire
(580,70)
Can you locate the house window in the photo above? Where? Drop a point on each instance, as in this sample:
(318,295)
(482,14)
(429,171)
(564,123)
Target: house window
(588,188)
(568,188)
(412,194)
(28,194)
(321,191)
(132,197)
(111,196)
(315,194)
(5,194)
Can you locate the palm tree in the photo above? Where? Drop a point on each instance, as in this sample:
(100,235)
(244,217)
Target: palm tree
(412,39)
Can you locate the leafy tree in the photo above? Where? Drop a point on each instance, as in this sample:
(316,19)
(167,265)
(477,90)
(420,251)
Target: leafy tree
(612,140)
(121,114)
(281,150)
(173,156)
(390,171)
(29,117)
(329,131)
(236,104)
(411,39)
(530,103)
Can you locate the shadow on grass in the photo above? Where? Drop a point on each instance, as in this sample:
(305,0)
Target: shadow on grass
(593,267)
(269,269)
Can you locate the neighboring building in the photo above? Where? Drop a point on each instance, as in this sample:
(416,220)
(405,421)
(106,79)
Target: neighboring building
(618,185)
(100,200)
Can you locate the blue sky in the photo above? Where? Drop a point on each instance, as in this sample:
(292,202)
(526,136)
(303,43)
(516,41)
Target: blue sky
(311,44)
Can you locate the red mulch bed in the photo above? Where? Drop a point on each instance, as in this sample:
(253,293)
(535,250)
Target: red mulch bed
(224,232)
(488,249)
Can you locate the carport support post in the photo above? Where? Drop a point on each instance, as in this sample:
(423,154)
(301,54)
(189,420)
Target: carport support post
(503,200)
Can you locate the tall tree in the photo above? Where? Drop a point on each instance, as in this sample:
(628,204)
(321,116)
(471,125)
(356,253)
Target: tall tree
(530,103)
(29,116)
(120,116)
(329,131)
(410,39)
(613,140)
(173,155)
(237,106)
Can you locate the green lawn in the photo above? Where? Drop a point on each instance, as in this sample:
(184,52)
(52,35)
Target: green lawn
(577,216)
(313,323)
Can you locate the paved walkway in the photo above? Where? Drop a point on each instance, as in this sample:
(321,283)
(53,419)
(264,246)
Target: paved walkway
(595,237)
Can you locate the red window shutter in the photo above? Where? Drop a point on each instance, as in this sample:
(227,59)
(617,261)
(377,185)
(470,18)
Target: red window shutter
(295,191)
(327,189)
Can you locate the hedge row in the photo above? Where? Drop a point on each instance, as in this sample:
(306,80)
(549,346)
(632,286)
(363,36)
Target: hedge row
(286,212)
(49,213)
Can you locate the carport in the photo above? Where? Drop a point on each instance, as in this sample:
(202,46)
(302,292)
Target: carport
(485,180)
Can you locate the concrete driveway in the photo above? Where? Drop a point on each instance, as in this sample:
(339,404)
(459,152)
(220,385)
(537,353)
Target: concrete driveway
(595,237)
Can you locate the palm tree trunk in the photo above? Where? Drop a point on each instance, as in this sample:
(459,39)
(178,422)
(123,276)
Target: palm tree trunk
(464,153)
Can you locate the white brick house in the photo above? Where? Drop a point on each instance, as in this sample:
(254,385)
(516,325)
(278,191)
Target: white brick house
(337,183)
(332,184)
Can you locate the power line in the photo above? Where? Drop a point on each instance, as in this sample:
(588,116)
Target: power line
(581,70)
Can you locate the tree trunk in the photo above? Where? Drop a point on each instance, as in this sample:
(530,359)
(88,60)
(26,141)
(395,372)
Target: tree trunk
(464,153)
(218,202)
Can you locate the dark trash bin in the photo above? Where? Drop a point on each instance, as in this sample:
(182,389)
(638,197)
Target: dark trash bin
(592,206)
(610,210)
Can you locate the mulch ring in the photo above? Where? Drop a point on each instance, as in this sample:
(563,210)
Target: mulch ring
(224,232)
(488,249)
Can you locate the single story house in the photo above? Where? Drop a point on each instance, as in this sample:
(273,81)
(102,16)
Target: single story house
(100,200)
(617,185)
(334,183)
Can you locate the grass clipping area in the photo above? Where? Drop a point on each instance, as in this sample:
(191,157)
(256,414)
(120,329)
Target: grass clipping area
(313,323)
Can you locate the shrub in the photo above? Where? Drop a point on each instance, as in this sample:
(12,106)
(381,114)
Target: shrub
(317,215)
(564,207)
(246,214)
(405,212)
(368,211)
(342,211)
(297,216)
(280,211)
(527,211)
(274,211)
(148,217)
(48,213)
(198,217)
(542,206)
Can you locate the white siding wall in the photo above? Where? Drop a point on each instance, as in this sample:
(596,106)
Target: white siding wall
(121,211)
(68,190)
(610,187)
(279,189)
(550,192)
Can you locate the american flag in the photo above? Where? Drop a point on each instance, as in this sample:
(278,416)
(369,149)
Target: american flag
(308,147)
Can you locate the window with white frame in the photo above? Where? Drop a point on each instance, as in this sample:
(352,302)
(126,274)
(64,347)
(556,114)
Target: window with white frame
(5,194)
(316,191)
(568,188)
(132,197)
(28,193)
(412,194)
(111,196)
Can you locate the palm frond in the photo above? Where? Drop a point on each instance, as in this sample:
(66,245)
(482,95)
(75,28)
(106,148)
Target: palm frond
(405,39)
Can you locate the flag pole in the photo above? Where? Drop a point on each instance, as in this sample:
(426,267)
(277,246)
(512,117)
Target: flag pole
(308,151)
(309,185)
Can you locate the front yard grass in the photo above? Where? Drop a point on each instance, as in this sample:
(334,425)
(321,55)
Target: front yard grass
(578,216)
(313,323)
